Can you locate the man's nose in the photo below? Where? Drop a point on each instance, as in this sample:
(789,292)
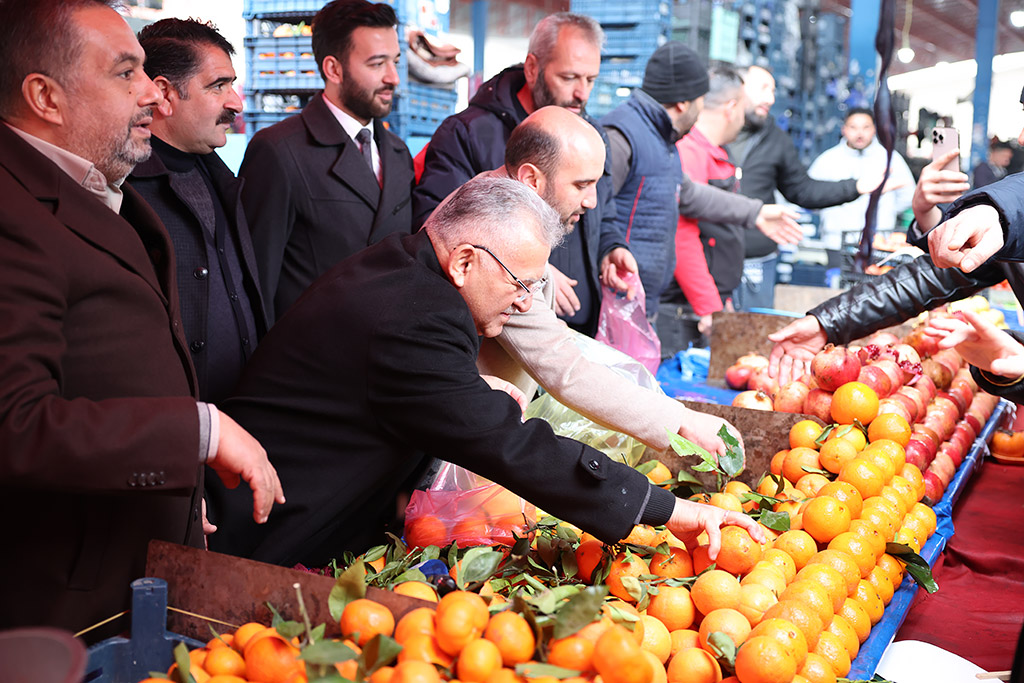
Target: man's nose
(234,102)
(149,94)
(590,198)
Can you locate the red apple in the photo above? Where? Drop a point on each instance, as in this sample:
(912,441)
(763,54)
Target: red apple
(737,376)
(791,398)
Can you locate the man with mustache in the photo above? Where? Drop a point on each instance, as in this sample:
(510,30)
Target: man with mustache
(198,198)
(325,183)
(102,439)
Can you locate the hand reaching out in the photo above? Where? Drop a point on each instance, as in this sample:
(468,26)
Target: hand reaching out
(981,343)
(968,239)
(778,223)
(240,457)
(795,346)
(616,262)
(690,519)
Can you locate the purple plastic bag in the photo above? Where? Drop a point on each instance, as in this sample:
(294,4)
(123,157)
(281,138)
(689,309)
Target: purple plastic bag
(623,325)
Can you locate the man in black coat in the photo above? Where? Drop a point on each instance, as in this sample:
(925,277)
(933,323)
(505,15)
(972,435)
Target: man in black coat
(327,182)
(374,370)
(198,198)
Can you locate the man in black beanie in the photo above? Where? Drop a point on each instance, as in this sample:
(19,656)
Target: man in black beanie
(646,172)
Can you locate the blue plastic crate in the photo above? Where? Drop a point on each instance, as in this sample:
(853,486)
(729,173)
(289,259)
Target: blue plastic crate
(252,8)
(633,12)
(281,64)
(258,120)
(605,97)
(623,72)
(637,40)
(419,109)
(151,646)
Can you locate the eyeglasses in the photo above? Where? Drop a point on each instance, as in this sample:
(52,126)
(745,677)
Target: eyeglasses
(527,291)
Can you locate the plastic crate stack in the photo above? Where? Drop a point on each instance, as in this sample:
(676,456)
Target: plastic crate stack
(633,31)
(282,73)
(691,25)
(825,84)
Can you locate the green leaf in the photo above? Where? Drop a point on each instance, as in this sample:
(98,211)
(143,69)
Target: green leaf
(776,521)
(351,585)
(815,470)
(159,674)
(327,652)
(916,565)
(732,462)
(184,672)
(823,437)
(684,477)
(536,670)
(646,467)
(685,447)
(380,651)
(705,466)
(332,676)
(375,553)
(580,610)
(633,587)
(410,575)
(317,634)
(290,629)
(723,647)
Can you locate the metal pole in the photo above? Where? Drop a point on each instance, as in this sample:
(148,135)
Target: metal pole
(864,16)
(984,50)
(479,38)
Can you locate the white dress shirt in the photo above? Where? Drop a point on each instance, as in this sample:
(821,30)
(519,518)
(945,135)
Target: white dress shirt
(352,127)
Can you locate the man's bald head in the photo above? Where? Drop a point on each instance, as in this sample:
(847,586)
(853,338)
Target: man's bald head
(561,157)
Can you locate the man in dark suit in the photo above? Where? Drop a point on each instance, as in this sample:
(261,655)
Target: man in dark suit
(326,183)
(198,198)
(374,370)
(101,436)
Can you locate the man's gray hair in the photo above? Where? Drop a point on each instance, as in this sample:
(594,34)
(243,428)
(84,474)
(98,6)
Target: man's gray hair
(725,84)
(545,33)
(494,211)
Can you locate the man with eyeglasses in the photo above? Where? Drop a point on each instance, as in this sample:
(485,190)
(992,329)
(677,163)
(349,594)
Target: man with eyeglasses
(560,157)
(372,373)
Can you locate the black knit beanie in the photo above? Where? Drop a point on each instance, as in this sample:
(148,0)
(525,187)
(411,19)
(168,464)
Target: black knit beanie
(675,74)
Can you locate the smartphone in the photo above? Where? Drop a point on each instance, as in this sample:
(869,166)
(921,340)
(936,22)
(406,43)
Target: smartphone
(945,140)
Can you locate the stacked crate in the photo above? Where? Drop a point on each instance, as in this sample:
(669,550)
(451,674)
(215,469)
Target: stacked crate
(282,73)
(633,31)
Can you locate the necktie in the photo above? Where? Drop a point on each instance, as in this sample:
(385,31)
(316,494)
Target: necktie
(363,138)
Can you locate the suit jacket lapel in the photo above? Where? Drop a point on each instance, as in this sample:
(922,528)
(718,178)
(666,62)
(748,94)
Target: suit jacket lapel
(349,168)
(396,192)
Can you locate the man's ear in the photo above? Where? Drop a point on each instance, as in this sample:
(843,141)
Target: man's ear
(45,98)
(531,69)
(532,177)
(333,69)
(461,261)
(170,96)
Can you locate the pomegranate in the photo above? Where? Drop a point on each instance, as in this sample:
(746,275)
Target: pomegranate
(965,375)
(975,418)
(915,395)
(891,405)
(928,432)
(892,371)
(962,394)
(933,486)
(966,427)
(752,399)
(790,398)
(956,405)
(918,454)
(961,442)
(875,377)
(754,360)
(944,467)
(953,452)
(883,339)
(834,366)
(819,404)
(760,380)
(927,386)
(950,359)
(939,373)
(737,376)
(924,344)
(911,371)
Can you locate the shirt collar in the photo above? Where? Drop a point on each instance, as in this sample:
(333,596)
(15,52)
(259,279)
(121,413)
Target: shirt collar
(351,125)
(82,171)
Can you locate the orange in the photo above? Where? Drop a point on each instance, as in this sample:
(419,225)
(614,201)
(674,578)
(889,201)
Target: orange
(887,506)
(227,678)
(222,640)
(694,665)
(834,453)
(417,621)
(799,458)
(624,566)
(701,558)
(770,487)
(864,475)
(382,675)
(754,600)
(801,615)
(657,639)
(416,589)
(420,647)
(619,659)
(855,615)
(908,538)
(659,474)
(911,473)
(782,561)
(658,672)
(775,466)
(682,639)
(271,660)
(362,619)
(812,594)
(739,552)
(830,579)
(224,661)
(893,569)
(197,672)
(572,652)
(765,575)
(596,629)
(811,483)
(509,676)
(673,607)
(881,520)
(513,636)
(894,450)
(882,461)
(477,661)
(926,515)
(817,669)
(830,647)
(588,556)
(890,426)
(905,489)
(424,531)
(870,533)
(786,633)
(675,565)
(825,518)
(854,401)
(843,562)
(798,544)
(625,615)
(414,672)
(803,434)
(243,633)
(879,579)
(849,433)
(858,548)
(868,598)
(714,589)
(842,629)
(728,621)
(764,660)
(739,489)
(846,493)
(725,501)
(459,620)
(793,509)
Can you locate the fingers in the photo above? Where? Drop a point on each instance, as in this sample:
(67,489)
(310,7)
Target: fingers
(266,490)
(714,538)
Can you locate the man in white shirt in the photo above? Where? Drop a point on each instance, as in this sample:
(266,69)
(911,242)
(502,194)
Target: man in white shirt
(859,155)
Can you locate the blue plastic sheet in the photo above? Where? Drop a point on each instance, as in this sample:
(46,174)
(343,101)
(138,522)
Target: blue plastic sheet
(684,376)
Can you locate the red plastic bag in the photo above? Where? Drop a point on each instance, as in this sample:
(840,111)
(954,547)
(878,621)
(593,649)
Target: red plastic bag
(466,508)
(623,325)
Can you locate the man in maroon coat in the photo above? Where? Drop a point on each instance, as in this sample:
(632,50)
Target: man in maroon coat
(101,436)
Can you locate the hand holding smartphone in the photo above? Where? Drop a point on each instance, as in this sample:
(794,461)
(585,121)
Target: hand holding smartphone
(945,140)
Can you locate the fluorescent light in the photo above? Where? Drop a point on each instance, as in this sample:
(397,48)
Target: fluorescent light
(1017,18)
(905,54)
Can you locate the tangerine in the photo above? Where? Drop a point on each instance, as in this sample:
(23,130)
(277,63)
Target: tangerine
(857,617)
(767,575)
(804,433)
(676,564)
(764,660)
(754,600)
(625,565)
(417,621)
(739,552)
(798,544)
(224,661)
(813,595)
(890,426)
(362,619)
(835,453)
(817,669)
(829,578)
(619,659)
(864,475)
(801,615)
(694,665)
(858,548)
(844,492)
(782,561)
(854,401)
(786,633)
(416,589)
(842,629)
(682,639)
(825,518)
(657,640)
(572,652)
(271,660)
(672,606)
(728,621)
(478,660)
(843,562)
(714,589)
(811,483)
(414,672)
(513,636)
(799,458)
(830,647)
(588,556)
(868,598)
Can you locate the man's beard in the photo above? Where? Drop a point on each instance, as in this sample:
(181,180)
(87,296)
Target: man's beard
(362,102)
(752,120)
(568,224)
(543,97)
(119,161)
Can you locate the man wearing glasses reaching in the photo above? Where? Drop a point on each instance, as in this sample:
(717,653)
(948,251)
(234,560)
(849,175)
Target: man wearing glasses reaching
(372,372)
